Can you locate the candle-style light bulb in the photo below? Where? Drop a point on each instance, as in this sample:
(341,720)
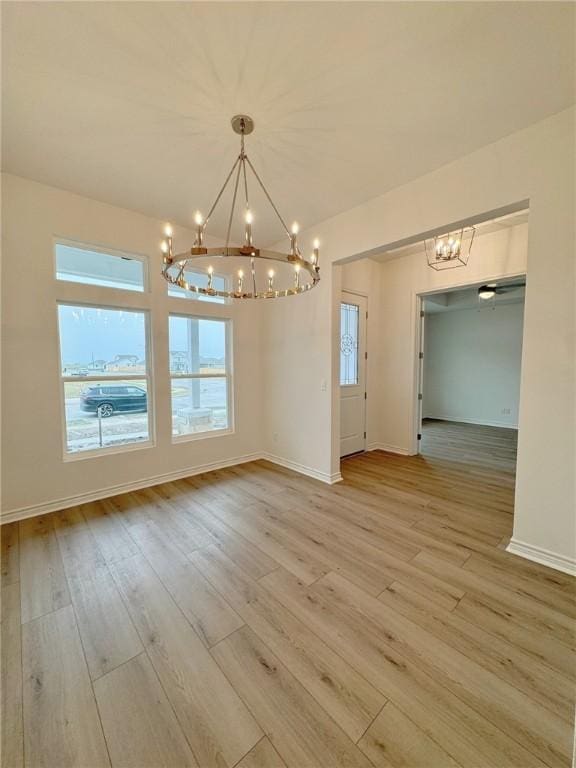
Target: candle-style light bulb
(164,246)
(168,231)
(199,221)
(316,252)
(293,236)
(296,275)
(240,280)
(270,279)
(248,218)
(210,274)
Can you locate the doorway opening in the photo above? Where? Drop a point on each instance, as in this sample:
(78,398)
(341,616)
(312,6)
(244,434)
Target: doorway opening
(469,367)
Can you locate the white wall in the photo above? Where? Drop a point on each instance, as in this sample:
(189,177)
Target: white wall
(34,474)
(495,254)
(472,361)
(536,164)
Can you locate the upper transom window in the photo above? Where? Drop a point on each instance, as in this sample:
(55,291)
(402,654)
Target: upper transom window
(91,266)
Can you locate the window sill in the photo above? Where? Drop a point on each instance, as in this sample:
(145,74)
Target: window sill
(110,451)
(201,435)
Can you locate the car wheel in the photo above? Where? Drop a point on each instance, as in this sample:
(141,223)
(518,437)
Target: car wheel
(105,410)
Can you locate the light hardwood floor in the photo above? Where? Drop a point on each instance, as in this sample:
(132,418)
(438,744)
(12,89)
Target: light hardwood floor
(253,617)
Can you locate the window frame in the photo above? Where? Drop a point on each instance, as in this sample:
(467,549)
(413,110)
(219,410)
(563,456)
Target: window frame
(228,376)
(146,377)
(105,251)
(196,298)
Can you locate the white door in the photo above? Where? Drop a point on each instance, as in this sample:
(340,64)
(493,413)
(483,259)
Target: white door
(352,374)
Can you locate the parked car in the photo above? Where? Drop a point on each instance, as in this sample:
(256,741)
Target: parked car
(105,400)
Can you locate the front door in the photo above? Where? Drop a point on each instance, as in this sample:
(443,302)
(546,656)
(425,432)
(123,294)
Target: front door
(352,374)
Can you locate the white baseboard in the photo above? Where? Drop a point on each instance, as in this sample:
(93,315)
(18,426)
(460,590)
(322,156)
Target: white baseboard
(103,493)
(480,422)
(388,448)
(542,556)
(303,470)
(34,510)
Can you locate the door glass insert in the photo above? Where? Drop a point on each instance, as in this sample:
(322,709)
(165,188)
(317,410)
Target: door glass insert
(349,329)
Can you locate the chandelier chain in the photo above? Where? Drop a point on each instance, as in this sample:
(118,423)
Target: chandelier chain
(233,206)
(215,203)
(276,211)
(245,183)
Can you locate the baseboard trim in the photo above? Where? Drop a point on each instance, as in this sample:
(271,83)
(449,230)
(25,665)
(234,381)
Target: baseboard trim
(34,510)
(388,448)
(103,493)
(542,556)
(324,477)
(479,422)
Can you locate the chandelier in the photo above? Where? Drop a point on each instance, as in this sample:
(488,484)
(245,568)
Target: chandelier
(448,251)
(259,276)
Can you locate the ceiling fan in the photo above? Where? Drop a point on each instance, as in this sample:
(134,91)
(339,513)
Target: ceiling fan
(493,289)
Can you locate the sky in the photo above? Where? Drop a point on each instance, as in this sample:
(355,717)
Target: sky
(89,333)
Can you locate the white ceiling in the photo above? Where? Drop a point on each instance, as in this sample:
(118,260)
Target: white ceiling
(130,102)
(482,228)
(467,298)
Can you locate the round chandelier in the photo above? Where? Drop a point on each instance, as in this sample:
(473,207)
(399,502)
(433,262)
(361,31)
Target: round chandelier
(262,273)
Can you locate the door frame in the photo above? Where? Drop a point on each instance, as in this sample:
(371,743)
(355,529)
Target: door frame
(361,362)
(419,342)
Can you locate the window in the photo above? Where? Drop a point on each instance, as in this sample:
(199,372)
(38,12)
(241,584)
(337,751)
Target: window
(197,278)
(105,378)
(349,329)
(79,264)
(200,374)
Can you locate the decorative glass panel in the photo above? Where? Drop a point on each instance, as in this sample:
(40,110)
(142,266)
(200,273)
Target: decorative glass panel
(90,267)
(349,329)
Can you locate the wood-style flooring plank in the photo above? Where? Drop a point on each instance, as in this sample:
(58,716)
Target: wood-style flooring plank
(394,741)
(493,698)
(61,723)
(297,726)
(537,680)
(140,727)
(43,582)
(464,733)
(108,635)
(347,697)
(105,524)
(263,755)
(217,724)
(12,749)
(10,555)
(206,610)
